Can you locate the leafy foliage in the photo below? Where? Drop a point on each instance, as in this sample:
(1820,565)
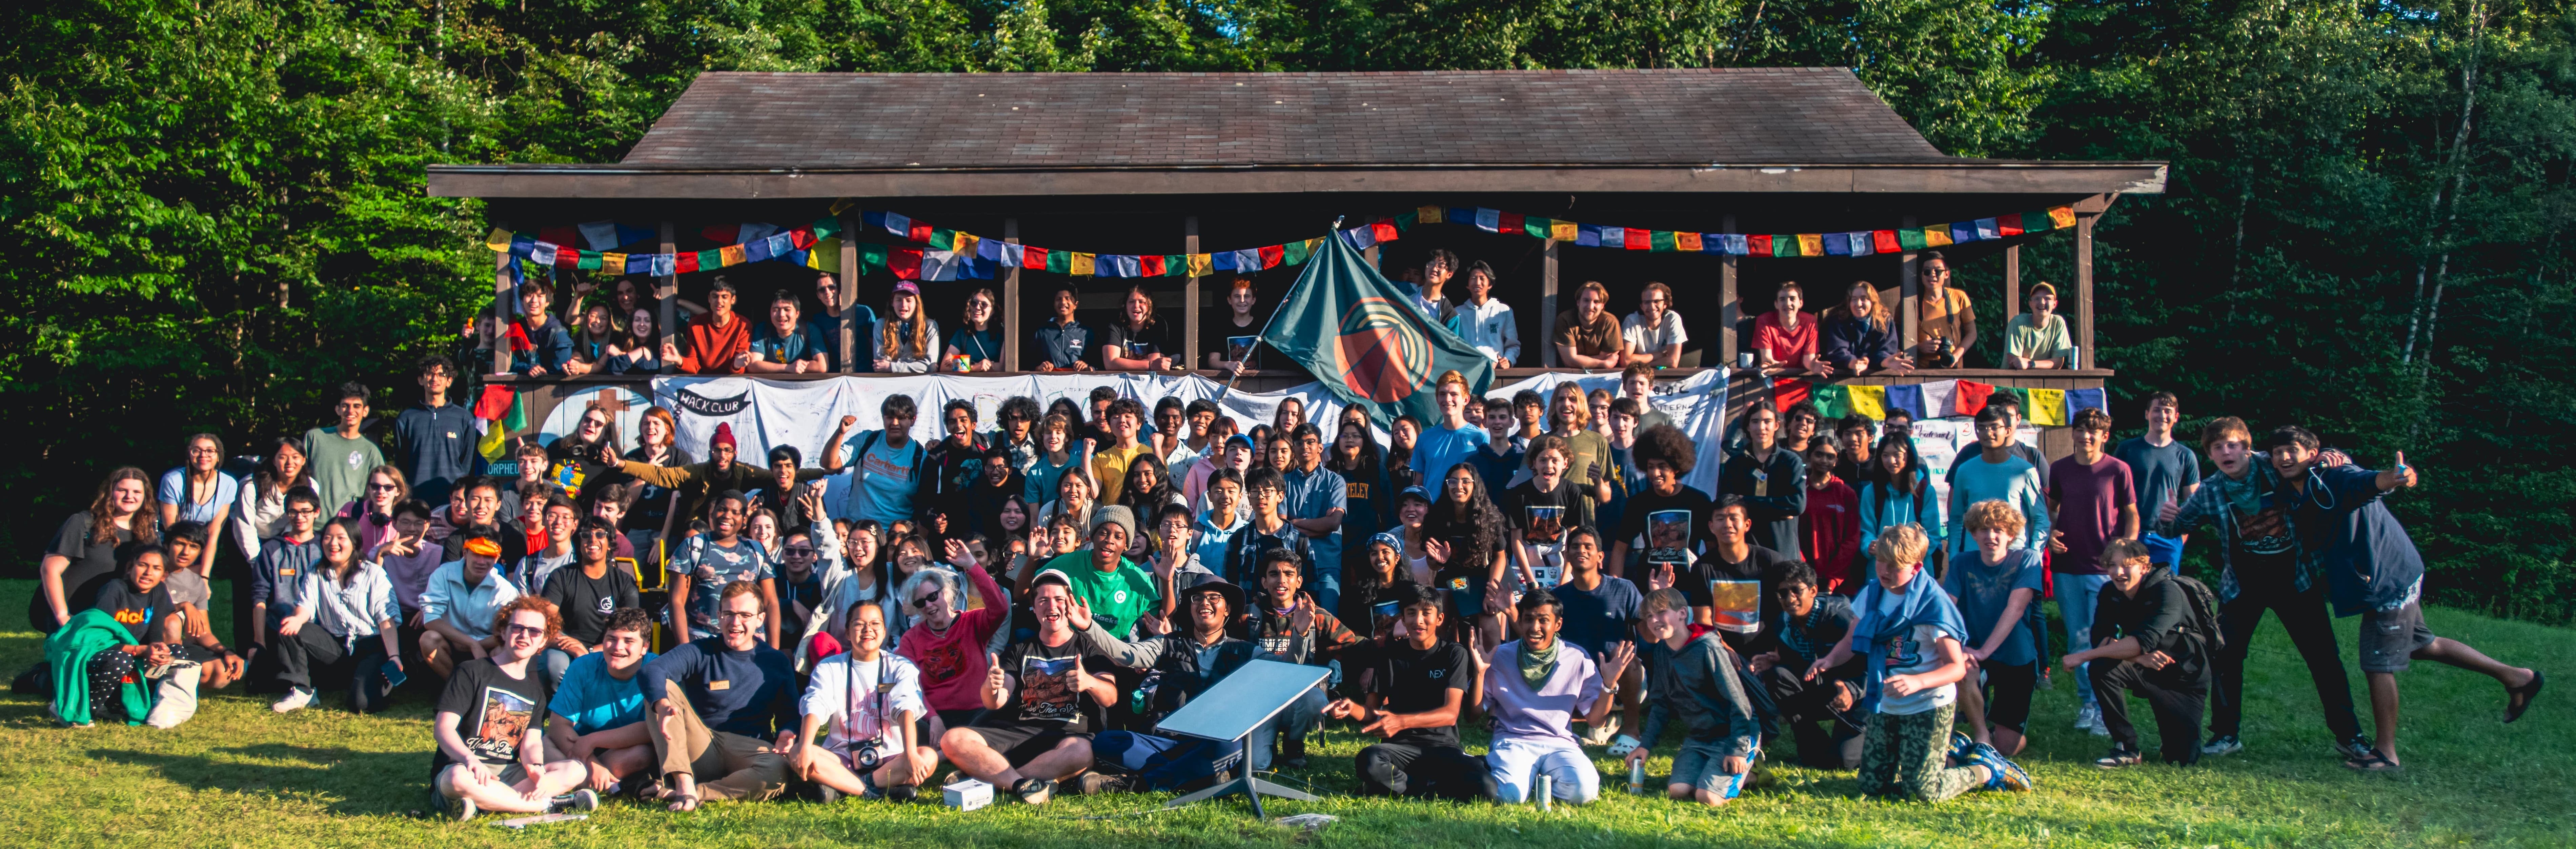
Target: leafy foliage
(214,208)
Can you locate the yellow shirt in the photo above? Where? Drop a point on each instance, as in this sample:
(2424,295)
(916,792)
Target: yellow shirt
(1109,467)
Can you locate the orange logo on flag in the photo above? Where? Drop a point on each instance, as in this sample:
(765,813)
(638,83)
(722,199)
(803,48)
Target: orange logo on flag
(1382,356)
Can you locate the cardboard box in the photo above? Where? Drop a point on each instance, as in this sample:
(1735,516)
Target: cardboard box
(967,795)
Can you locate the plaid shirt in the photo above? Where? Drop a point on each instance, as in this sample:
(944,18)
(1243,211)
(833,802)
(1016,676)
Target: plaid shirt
(2208,505)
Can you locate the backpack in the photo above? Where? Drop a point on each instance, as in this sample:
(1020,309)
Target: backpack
(2204,611)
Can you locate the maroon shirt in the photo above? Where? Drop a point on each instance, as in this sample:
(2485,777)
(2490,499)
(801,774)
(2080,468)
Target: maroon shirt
(2089,499)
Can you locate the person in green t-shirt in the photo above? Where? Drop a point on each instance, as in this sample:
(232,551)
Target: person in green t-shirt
(340,458)
(1122,596)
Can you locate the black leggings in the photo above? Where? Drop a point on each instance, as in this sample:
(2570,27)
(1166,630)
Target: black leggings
(312,648)
(108,670)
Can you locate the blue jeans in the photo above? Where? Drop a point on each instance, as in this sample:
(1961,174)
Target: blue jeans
(1298,718)
(1162,763)
(2076,595)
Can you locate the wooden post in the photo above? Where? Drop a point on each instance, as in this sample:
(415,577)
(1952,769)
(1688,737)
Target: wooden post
(1011,301)
(1547,307)
(668,293)
(1730,303)
(849,279)
(500,313)
(1190,293)
(2083,291)
(2012,282)
(1910,291)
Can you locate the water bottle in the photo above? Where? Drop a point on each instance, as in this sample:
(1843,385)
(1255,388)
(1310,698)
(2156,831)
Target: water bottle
(1637,778)
(1546,791)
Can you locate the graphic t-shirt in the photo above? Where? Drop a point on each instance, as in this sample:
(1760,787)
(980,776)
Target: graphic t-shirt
(711,566)
(888,477)
(1117,597)
(1050,691)
(1646,510)
(585,602)
(93,565)
(137,611)
(1735,592)
(1543,518)
(2262,528)
(1416,680)
(493,712)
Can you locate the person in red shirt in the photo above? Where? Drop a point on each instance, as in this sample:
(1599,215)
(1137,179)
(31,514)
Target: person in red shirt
(1784,339)
(1832,520)
(719,341)
(948,643)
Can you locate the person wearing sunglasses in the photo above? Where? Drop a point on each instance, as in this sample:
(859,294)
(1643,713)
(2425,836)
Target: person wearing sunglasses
(947,640)
(491,753)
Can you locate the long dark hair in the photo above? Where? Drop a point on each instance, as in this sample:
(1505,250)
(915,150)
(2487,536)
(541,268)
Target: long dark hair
(1478,523)
(265,478)
(1362,468)
(1912,483)
(1147,503)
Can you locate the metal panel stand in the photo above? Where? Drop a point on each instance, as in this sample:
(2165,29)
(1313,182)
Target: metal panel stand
(1231,710)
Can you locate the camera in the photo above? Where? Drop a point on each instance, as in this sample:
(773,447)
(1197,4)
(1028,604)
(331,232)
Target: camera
(867,755)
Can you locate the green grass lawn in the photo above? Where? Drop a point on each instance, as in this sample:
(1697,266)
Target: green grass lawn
(240,776)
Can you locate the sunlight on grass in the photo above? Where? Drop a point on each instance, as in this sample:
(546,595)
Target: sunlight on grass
(239,775)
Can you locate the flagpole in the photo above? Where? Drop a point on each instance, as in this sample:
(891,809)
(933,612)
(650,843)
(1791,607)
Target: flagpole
(1334,232)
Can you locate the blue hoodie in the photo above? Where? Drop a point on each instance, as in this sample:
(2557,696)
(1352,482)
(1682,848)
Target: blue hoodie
(2346,531)
(1892,644)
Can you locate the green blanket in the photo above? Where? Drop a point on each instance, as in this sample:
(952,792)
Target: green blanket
(69,650)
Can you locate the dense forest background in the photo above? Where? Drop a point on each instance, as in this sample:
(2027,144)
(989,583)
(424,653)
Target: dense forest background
(213,210)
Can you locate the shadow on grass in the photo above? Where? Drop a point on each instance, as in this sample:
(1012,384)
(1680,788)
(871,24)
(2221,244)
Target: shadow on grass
(342,780)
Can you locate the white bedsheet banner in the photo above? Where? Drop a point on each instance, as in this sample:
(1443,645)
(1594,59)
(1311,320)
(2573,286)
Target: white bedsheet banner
(802,413)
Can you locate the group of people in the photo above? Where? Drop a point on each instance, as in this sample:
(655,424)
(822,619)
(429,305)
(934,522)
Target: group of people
(1864,335)
(1024,603)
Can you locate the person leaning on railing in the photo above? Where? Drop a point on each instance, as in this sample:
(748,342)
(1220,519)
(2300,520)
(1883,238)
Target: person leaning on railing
(2038,339)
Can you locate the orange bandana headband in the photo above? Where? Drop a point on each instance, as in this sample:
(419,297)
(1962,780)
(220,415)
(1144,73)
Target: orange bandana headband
(483,546)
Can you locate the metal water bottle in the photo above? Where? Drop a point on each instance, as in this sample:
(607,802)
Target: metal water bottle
(1546,791)
(1637,778)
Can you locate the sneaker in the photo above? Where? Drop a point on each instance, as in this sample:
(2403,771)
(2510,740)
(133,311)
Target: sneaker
(2086,717)
(1034,791)
(1096,783)
(1621,747)
(296,699)
(902,793)
(584,799)
(1962,746)
(952,777)
(463,808)
(1293,755)
(2002,773)
(2355,747)
(1600,734)
(2118,758)
(2224,744)
(828,794)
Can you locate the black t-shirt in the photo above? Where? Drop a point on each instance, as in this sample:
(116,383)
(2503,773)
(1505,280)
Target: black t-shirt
(1416,680)
(493,712)
(140,613)
(572,464)
(1645,504)
(1138,344)
(93,565)
(585,602)
(1737,591)
(1544,518)
(1219,335)
(1050,696)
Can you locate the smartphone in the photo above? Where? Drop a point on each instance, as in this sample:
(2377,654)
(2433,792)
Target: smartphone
(1384,608)
(394,676)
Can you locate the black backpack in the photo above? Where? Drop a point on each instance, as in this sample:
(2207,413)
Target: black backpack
(2204,611)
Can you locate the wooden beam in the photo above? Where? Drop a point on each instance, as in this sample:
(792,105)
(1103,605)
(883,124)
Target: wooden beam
(667,292)
(1011,301)
(1909,290)
(500,313)
(2012,283)
(1730,303)
(1370,254)
(2084,291)
(1190,293)
(1547,306)
(849,280)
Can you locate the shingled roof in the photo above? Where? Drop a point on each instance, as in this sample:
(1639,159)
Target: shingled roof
(1433,118)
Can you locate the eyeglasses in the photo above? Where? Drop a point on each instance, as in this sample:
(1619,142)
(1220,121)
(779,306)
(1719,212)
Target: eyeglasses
(516,629)
(302,511)
(925,599)
(383,487)
(799,551)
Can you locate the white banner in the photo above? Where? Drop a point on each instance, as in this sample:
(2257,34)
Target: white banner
(802,413)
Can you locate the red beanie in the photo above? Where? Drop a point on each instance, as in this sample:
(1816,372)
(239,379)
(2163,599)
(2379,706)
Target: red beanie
(724,435)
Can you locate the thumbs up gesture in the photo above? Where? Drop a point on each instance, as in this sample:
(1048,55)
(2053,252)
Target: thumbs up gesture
(2401,476)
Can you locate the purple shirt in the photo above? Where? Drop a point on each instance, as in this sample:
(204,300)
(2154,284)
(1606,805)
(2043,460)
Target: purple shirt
(2089,499)
(1548,712)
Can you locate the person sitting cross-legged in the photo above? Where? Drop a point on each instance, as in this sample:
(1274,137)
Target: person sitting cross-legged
(714,699)
(872,700)
(347,616)
(1034,731)
(1190,660)
(1420,683)
(598,707)
(491,755)
(1544,683)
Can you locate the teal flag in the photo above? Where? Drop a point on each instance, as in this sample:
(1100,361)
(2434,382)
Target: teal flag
(1368,342)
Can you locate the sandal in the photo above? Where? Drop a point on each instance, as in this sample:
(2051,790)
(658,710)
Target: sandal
(683,802)
(2518,699)
(2374,762)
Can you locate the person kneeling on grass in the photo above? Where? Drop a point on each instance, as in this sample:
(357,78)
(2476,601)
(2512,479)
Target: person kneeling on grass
(1913,636)
(1821,714)
(1993,590)
(1546,682)
(872,699)
(732,690)
(491,754)
(1420,685)
(598,707)
(1034,731)
(1693,680)
(2144,622)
